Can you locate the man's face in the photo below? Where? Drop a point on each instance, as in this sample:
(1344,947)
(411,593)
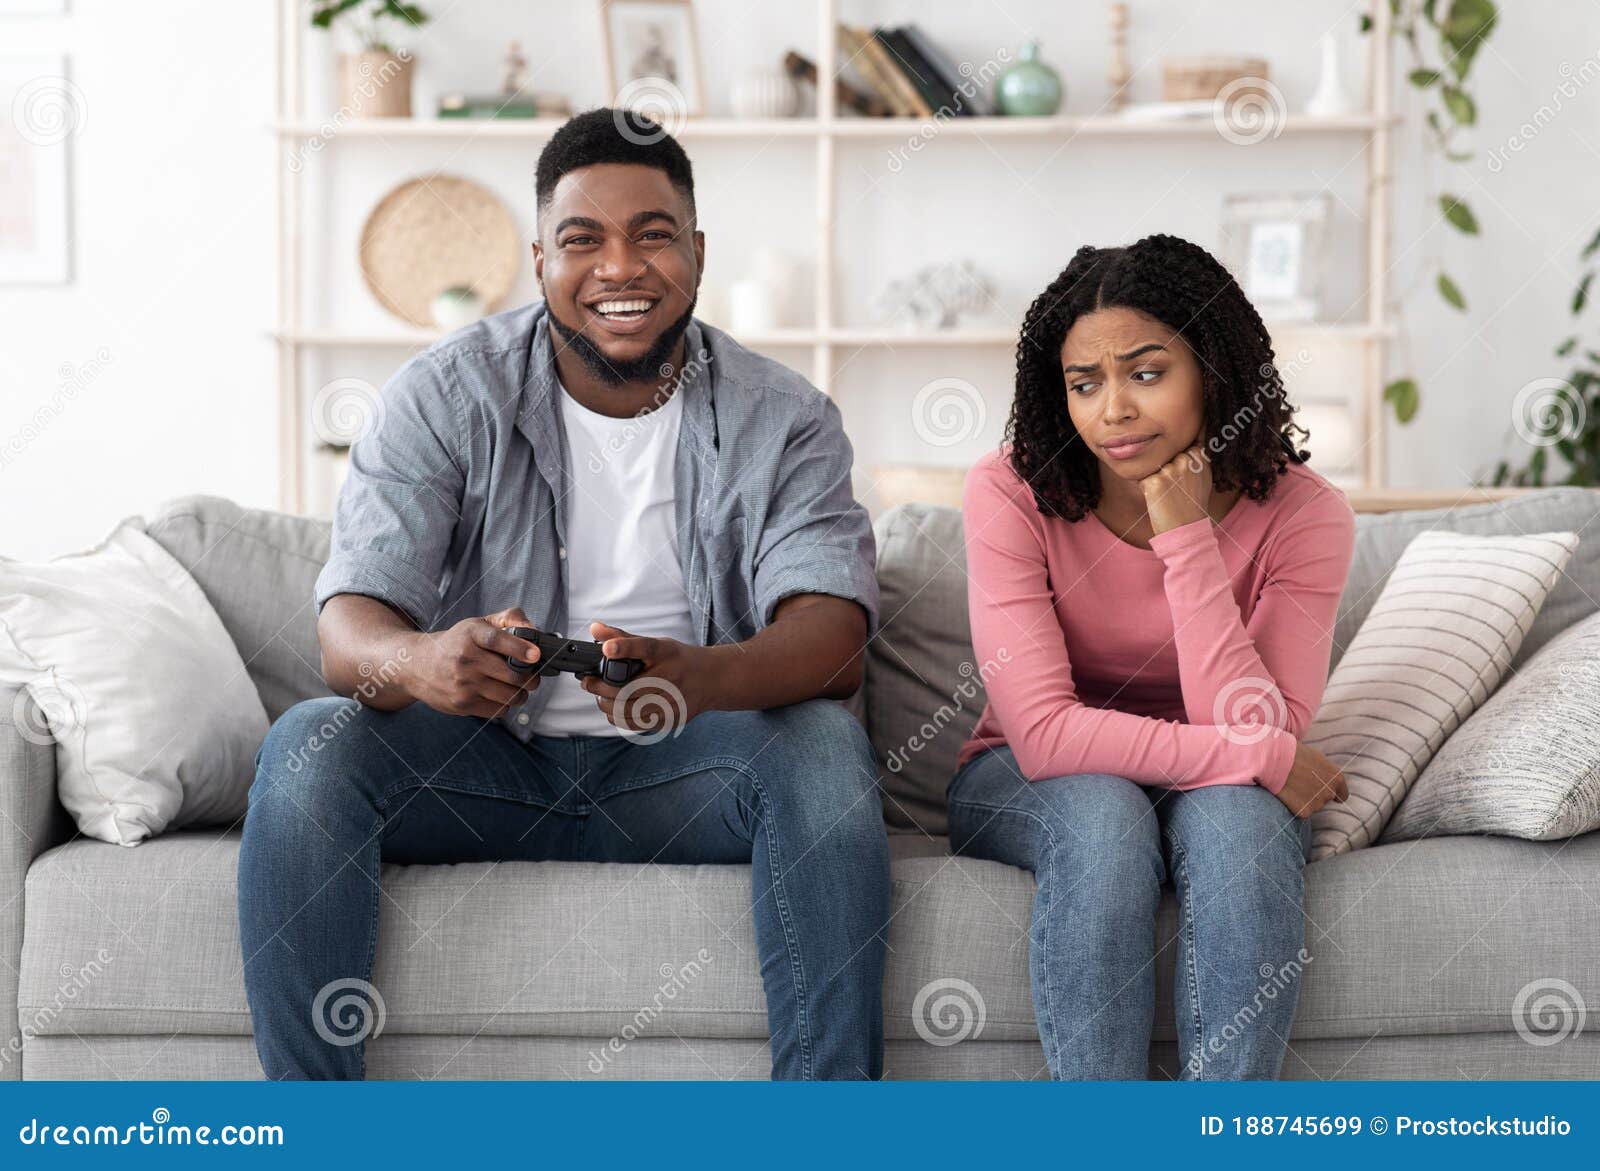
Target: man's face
(619,260)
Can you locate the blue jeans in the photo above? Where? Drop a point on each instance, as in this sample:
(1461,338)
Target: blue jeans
(1100,847)
(340,787)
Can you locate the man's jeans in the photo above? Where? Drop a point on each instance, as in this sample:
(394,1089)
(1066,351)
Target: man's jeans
(1100,847)
(791,790)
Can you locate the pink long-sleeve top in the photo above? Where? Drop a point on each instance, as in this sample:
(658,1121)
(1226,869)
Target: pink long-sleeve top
(1198,661)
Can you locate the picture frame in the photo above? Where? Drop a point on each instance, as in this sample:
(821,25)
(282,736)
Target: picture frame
(652,39)
(1277,248)
(35,148)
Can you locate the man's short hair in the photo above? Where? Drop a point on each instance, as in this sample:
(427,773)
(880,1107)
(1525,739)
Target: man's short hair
(607,135)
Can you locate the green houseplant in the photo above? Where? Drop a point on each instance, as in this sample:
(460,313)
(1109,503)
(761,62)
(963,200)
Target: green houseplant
(1563,414)
(1441,39)
(375,81)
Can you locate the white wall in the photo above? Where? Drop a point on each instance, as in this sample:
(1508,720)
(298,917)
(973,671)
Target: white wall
(172,179)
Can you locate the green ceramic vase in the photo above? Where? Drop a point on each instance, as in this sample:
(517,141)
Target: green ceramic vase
(1030,87)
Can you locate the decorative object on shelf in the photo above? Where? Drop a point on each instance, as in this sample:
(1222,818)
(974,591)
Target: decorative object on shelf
(459,105)
(46,111)
(910,74)
(653,57)
(435,232)
(1563,413)
(760,302)
(456,307)
(1276,246)
(1330,99)
(1201,79)
(764,92)
(1030,88)
(934,297)
(1458,30)
(845,95)
(516,72)
(1117,75)
(375,82)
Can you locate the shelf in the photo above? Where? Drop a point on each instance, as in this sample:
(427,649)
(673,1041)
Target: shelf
(1061,126)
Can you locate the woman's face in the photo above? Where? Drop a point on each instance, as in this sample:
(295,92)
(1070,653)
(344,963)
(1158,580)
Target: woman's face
(1133,390)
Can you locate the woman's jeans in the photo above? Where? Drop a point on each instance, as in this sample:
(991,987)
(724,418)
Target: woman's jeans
(341,787)
(1100,847)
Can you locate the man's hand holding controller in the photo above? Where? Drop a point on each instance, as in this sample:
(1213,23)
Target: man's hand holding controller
(462,670)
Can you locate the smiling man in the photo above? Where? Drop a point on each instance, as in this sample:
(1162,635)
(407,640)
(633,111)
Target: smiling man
(603,464)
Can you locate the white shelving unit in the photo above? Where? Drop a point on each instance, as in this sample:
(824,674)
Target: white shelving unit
(294,336)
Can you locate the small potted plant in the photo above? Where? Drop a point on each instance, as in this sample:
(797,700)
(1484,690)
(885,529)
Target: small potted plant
(376,80)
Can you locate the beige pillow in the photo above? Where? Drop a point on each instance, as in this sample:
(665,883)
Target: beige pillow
(1433,648)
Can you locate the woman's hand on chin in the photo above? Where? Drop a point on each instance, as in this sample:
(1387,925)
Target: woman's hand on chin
(1179,491)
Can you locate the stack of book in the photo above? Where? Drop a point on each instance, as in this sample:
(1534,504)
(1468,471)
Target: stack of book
(910,75)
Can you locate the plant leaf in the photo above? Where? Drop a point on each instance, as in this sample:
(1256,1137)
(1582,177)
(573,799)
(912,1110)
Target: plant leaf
(1459,215)
(1460,105)
(1449,291)
(1567,346)
(1590,247)
(1402,392)
(1580,295)
(1423,78)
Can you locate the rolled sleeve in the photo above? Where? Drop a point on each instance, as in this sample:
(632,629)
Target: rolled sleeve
(397,512)
(817,538)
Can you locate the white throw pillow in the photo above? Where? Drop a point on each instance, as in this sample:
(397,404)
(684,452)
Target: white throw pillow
(1527,765)
(1434,647)
(155,721)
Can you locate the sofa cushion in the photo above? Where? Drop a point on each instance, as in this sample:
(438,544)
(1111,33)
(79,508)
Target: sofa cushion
(1428,937)
(258,569)
(924,692)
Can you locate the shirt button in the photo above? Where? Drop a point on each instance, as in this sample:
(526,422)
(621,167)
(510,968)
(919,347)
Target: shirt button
(522,717)
(562,552)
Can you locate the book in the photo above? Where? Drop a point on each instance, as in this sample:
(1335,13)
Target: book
(845,95)
(949,74)
(853,44)
(938,96)
(884,55)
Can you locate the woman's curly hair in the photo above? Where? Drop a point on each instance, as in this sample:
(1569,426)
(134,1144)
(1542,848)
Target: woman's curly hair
(1249,421)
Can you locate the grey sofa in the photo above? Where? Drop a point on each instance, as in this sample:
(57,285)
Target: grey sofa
(124,963)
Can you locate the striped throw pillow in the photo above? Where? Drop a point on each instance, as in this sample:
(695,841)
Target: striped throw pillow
(1434,647)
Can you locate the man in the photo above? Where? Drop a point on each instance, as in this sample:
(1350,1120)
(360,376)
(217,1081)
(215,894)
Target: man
(601,464)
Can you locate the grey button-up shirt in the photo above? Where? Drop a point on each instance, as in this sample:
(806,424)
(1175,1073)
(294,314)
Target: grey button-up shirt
(456,499)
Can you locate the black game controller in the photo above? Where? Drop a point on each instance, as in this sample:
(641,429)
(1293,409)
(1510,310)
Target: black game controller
(559,653)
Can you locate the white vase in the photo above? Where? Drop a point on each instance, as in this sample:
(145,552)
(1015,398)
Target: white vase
(1330,99)
(762,92)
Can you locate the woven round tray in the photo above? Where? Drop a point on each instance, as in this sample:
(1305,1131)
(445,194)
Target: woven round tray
(434,232)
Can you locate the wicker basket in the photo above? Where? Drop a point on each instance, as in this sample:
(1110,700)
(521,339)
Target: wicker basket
(1191,79)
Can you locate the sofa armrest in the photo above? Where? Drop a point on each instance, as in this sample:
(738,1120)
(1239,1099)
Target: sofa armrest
(31,822)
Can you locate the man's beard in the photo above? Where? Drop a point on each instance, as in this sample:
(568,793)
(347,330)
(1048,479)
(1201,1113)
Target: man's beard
(615,372)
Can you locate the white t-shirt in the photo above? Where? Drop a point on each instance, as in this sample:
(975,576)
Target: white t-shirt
(622,548)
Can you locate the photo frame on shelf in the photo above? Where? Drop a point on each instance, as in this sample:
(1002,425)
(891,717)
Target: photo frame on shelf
(1276,247)
(35,195)
(648,42)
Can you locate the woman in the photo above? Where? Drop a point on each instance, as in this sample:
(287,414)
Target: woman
(1155,573)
